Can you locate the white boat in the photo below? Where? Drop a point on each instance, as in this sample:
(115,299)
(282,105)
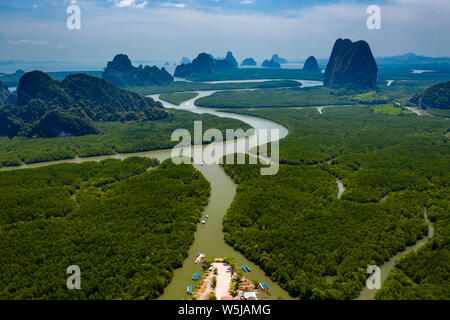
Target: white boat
(203,222)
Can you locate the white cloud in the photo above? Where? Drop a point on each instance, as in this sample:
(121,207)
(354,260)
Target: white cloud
(141,5)
(442,4)
(130,3)
(247,2)
(173,5)
(26,41)
(167,34)
(124,3)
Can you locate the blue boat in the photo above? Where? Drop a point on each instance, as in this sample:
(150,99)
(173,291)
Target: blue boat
(266,288)
(243,268)
(248,268)
(195,275)
(190,289)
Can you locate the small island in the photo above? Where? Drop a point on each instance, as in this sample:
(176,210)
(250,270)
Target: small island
(311,65)
(227,64)
(206,64)
(203,64)
(121,72)
(185,60)
(248,62)
(278,59)
(271,64)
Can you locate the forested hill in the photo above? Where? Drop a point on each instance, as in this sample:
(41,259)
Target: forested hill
(436,96)
(4,93)
(49,108)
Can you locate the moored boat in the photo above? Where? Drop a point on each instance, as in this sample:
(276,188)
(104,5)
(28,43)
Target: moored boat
(266,288)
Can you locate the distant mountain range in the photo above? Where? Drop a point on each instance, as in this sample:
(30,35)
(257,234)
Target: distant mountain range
(9,66)
(404,59)
(411,58)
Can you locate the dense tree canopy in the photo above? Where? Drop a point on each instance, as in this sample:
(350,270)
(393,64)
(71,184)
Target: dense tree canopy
(317,246)
(127,229)
(424,275)
(114,137)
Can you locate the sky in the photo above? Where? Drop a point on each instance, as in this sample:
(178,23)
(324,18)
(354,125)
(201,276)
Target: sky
(168,30)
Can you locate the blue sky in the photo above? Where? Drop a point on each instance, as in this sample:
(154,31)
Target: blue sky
(170,29)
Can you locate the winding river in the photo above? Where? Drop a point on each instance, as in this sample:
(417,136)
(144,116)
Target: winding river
(367,294)
(209,238)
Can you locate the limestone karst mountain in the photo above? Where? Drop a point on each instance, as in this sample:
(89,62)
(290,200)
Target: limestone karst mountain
(311,64)
(351,65)
(121,72)
(248,62)
(203,64)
